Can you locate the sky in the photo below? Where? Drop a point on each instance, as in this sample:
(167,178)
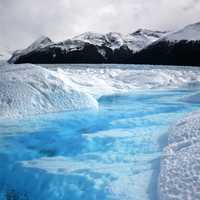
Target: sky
(23,21)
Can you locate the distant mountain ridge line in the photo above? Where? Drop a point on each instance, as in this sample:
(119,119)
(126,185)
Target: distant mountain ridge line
(144,46)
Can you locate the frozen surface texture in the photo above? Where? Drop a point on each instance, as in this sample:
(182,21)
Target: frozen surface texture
(30,90)
(110,79)
(112,154)
(180,167)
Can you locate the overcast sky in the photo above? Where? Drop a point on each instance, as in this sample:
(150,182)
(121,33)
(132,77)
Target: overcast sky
(22,21)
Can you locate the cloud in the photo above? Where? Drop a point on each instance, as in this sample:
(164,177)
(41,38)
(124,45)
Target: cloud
(23,21)
(192,4)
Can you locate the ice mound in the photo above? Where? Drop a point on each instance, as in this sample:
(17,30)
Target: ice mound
(180,167)
(30,90)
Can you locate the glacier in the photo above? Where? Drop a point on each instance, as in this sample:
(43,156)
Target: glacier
(29,89)
(32,90)
(112,79)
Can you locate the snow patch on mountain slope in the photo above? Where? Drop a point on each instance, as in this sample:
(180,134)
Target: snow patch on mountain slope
(92,38)
(190,33)
(4,54)
(70,45)
(142,38)
(180,166)
(135,41)
(112,39)
(30,90)
(39,43)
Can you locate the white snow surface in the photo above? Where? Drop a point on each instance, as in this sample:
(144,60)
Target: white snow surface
(190,33)
(30,90)
(99,81)
(180,167)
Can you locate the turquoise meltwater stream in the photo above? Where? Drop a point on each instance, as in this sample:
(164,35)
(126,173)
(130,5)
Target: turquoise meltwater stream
(110,155)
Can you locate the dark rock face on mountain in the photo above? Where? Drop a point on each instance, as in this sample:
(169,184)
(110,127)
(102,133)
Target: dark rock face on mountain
(169,53)
(87,48)
(55,54)
(121,55)
(178,48)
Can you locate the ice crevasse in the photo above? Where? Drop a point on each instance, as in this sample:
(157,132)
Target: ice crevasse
(30,90)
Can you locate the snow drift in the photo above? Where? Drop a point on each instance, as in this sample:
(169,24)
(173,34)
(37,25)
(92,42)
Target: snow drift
(30,90)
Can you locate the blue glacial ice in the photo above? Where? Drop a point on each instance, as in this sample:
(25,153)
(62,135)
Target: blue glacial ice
(110,154)
(96,133)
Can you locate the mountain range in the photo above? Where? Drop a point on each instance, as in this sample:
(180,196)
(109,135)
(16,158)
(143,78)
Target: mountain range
(143,46)
(181,47)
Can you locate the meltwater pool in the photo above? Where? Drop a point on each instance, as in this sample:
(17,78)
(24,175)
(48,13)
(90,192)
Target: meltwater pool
(113,154)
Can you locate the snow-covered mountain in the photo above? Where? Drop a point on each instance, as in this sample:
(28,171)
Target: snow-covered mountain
(88,47)
(144,46)
(135,41)
(38,44)
(189,33)
(112,40)
(181,47)
(142,38)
